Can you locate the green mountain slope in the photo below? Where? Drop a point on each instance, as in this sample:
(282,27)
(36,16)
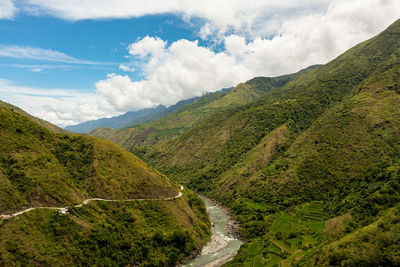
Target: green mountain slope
(41,169)
(324,145)
(376,244)
(143,137)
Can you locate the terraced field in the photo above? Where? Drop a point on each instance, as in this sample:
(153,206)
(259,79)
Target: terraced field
(290,234)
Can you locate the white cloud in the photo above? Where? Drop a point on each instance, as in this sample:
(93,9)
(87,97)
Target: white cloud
(126,68)
(26,52)
(222,15)
(236,45)
(255,18)
(148,46)
(180,71)
(59,106)
(7,9)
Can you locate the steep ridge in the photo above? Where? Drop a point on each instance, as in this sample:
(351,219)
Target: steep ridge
(41,169)
(142,138)
(323,146)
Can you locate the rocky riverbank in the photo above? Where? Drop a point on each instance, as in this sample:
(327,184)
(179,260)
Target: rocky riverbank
(225,240)
(232,228)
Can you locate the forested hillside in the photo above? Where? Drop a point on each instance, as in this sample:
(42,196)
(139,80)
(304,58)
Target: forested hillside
(41,169)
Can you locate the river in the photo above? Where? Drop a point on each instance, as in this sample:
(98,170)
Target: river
(223,245)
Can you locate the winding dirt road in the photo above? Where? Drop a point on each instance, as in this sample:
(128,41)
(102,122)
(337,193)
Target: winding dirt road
(86,201)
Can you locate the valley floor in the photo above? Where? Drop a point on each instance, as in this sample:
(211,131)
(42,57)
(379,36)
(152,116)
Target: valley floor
(224,242)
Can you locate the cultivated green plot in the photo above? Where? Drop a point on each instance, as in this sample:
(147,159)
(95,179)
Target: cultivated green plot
(289,234)
(255,248)
(255,205)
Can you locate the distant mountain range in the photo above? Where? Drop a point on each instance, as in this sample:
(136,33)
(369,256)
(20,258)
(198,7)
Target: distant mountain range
(131,118)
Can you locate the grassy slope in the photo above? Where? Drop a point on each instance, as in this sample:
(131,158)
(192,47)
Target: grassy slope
(329,135)
(40,168)
(143,137)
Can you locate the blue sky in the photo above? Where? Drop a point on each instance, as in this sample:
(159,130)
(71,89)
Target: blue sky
(102,41)
(76,60)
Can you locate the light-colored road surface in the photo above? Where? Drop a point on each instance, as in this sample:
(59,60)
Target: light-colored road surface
(86,201)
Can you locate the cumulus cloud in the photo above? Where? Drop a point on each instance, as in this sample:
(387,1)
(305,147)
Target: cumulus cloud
(179,71)
(7,9)
(26,52)
(148,46)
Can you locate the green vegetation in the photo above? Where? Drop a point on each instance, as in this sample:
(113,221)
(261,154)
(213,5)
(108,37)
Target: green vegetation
(376,244)
(142,138)
(286,235)
(40,168)
(308,165)
(107,234)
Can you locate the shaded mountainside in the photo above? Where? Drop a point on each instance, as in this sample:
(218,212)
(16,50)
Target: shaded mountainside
(40,168)
(143,137)
(129,119)
(311,166)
